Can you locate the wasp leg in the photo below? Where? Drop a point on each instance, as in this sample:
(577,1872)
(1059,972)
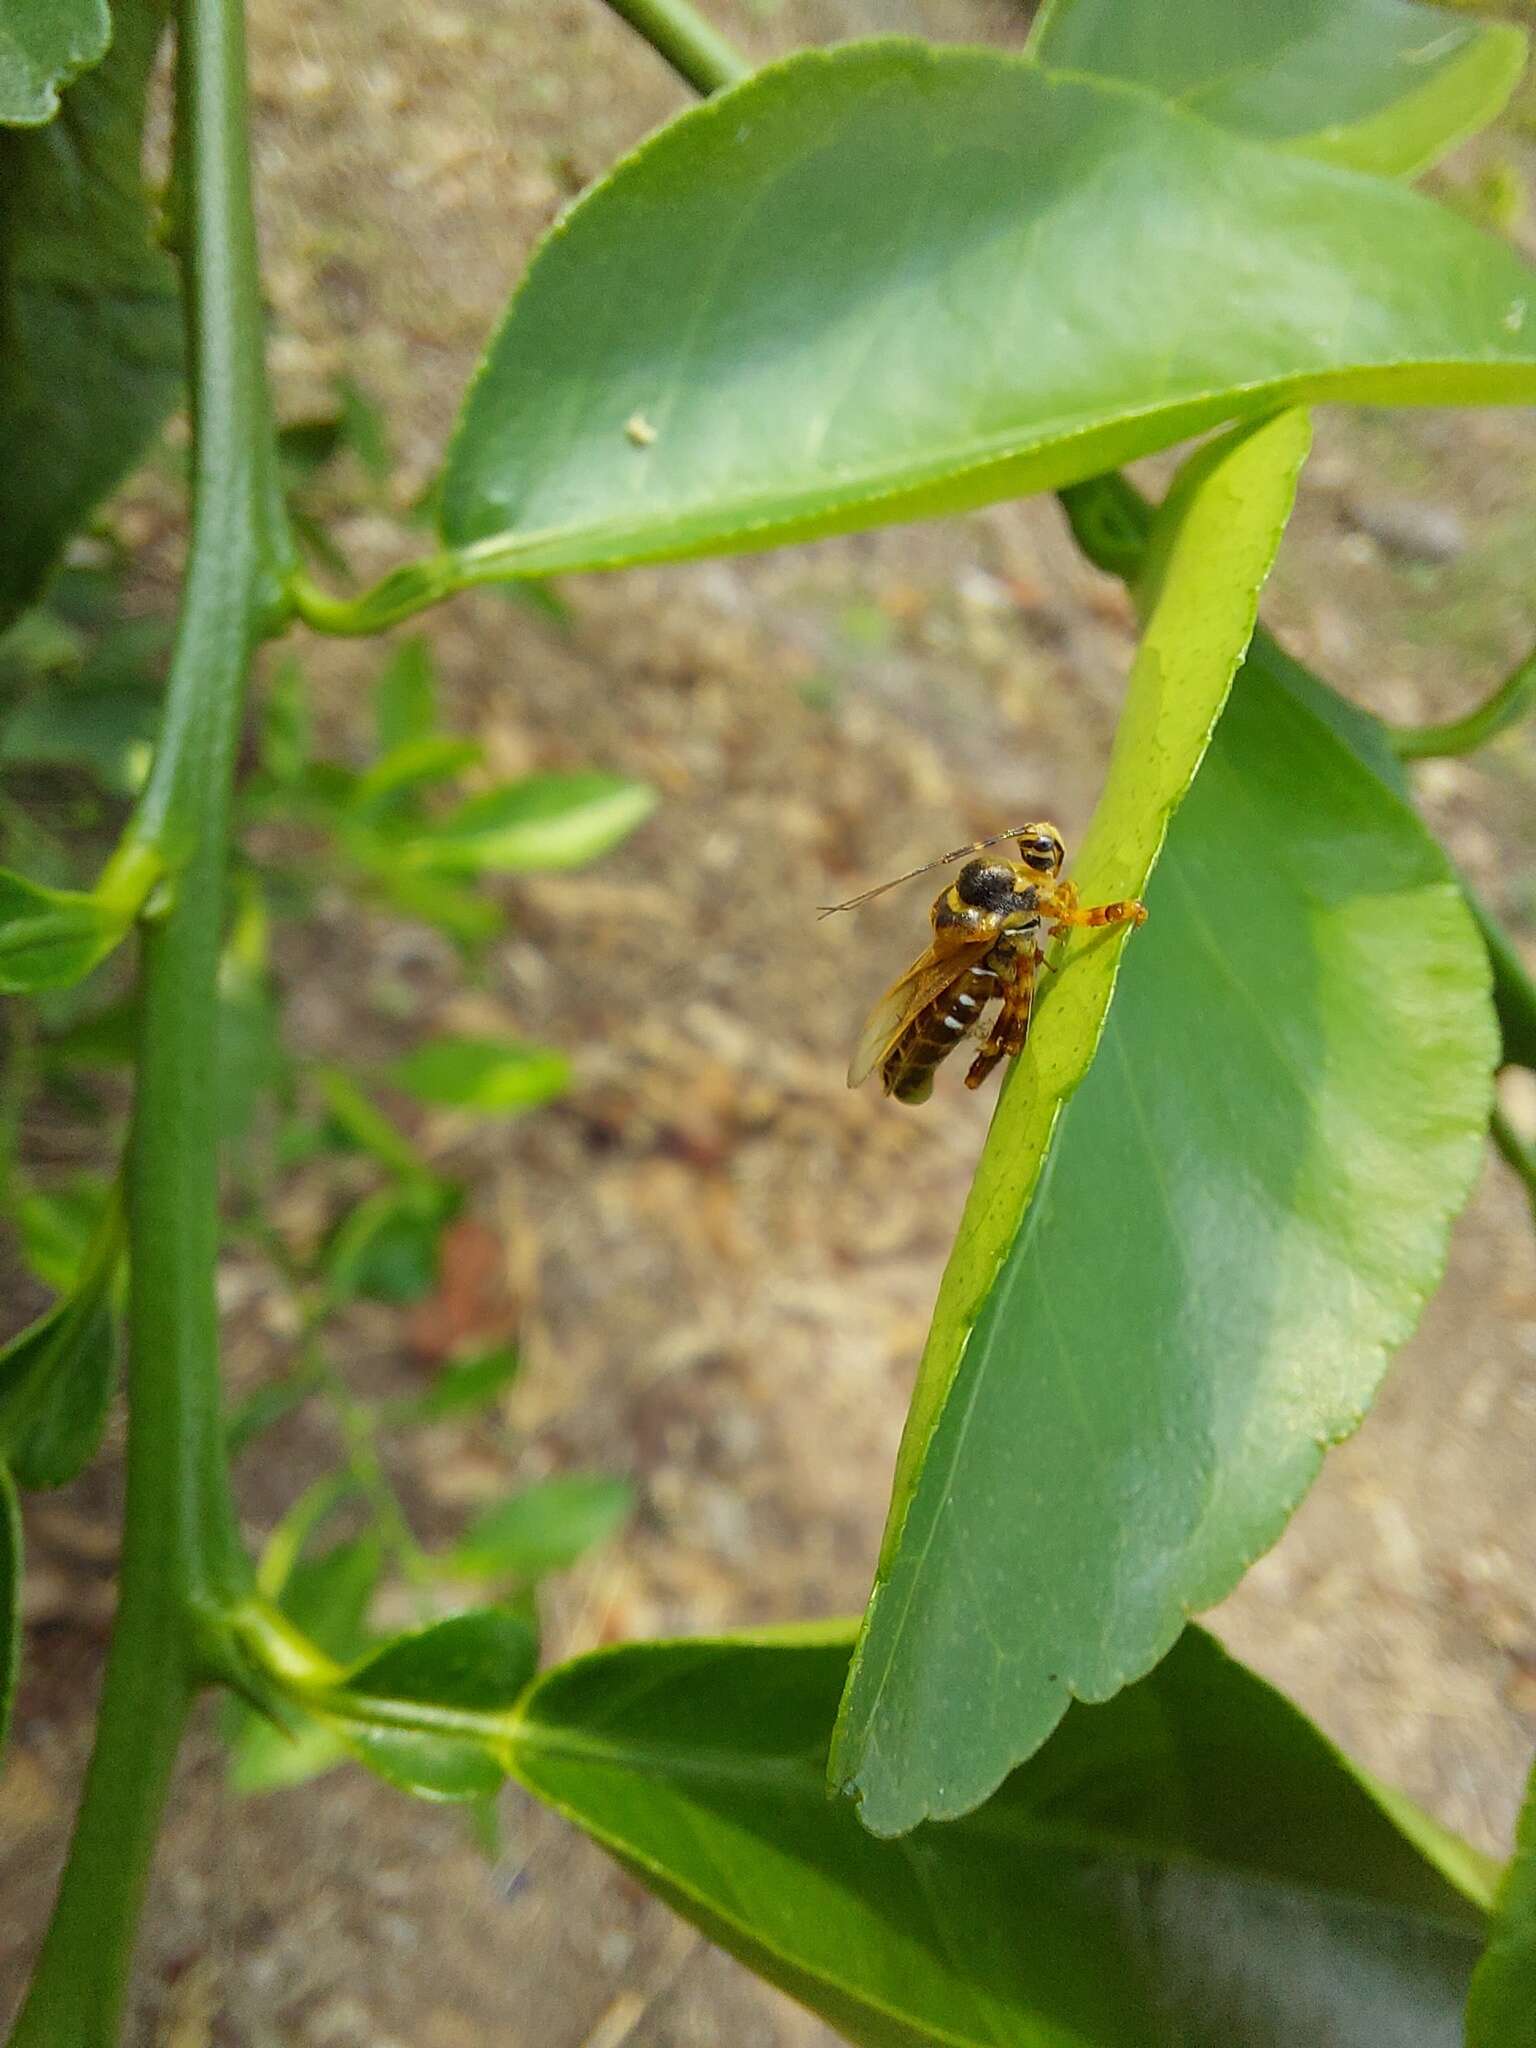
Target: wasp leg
(1064,909)
(1012,1026)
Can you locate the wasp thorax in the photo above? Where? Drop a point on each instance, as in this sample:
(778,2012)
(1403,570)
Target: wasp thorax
(987,884)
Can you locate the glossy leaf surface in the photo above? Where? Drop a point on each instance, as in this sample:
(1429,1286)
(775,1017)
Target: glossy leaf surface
(544,1528)
(919,239)
(495,1077)
(1191,1866)
(91,322)
(1501,2012)
(1383,85)
(1245,1206)
(43,45)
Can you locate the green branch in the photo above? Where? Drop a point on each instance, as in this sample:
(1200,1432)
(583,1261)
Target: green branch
(181,1554)
(1514,699)
(680,35)
(1520,1155)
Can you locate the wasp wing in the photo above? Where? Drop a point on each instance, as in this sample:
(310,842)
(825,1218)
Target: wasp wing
(923,981)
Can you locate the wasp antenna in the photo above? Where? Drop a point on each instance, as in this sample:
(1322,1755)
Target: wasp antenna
(943,861)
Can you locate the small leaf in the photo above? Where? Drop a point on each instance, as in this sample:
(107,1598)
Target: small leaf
(1189,1866)
(460,1388)
(496,1077)
(984,279)
(328,1598)
(472,1665)
(405,696)
(389,1247)
(10,1598)
(59,1227)
(52,938)
(414,764)
(286,739)
(365,430)
(88,302)
(108,732)
(362,1123)
(43,45)
(1501,2012)
(1380,85)
(544,821)
(56,1382)
(543,1529)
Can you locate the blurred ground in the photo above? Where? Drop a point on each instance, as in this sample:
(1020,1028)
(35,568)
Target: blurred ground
(722,1262)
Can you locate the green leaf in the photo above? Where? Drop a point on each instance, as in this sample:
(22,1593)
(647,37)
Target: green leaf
(59,1226)
(460,1388)
(52,938)
(982,279)
(10,1597)
(1501,2012)
(413,764)
(43,45)
(328,1597)
(1191,1866)
(496,1077)
(543,821)
(90,325)
(1244,1208)
(286,739)
(1380,85)
(107,731)
(361,1122)
(405,696)
(543,1529)
(409,1711)
(56,1381)
(389,1247)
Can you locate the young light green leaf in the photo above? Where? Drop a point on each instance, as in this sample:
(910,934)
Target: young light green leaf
(1245,1206)
(983,278)
(495,1077)
(405,696)
(1501,2012)
(544,821)
(56,1381)
(462,1387)
(90,310)
(1191,1864)
(427,1711)
(328,1598)
(1380,85)
(10,1597)
(52,938)
(543,1529)
(43,45)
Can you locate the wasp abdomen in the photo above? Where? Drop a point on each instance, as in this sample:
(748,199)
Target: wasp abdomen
(911,1063)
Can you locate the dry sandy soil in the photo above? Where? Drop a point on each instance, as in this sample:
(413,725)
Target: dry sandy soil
(721,1263)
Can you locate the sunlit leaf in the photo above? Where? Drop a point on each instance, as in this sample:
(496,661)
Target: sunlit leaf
(1501,2012)
(981,279)
(43,45)
(496,1077)
(1191,1866)
(88,306)
(543,1529)
(544,821)
(1381,85)
(1244,1208)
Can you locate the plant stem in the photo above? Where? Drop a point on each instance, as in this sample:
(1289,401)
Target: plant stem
(1520,1155)
(181,1553)
(680,35)
(1511,701)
